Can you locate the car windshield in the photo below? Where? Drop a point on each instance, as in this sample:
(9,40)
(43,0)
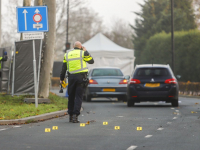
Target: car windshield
(107,72)
(152,72)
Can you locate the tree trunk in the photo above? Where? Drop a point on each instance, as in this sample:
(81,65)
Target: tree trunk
(0,23)
(38,3)
(25,3)
(47,63)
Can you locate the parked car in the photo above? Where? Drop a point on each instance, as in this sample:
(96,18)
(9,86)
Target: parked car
(106,82)
(152,82)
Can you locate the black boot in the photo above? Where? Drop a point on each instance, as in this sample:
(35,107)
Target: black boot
(75,119)
(70,118)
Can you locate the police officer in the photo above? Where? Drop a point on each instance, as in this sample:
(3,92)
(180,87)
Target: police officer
(75,64)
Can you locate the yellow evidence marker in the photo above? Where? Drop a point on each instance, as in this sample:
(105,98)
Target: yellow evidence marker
(47,129)
(117,127)
(139,128)
(82,124)
(105,123)
(55,128)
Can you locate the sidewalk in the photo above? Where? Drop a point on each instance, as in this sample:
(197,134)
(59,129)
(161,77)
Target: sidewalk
(39,117)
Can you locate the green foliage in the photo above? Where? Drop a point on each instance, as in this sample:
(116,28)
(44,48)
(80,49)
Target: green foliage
(187,53)
(156,17)
(15,108)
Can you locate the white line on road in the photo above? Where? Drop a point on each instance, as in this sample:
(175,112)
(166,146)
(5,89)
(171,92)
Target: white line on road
(172,108)
(148,136)
(177,110)
(160,129)
(169,122)
(132,147)
(3,129)
(17,127)
(175,118)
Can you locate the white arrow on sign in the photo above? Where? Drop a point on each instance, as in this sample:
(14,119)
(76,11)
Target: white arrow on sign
(37,11)
(25,12)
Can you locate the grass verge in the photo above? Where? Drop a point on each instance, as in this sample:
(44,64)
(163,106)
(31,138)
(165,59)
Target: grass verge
(15,107)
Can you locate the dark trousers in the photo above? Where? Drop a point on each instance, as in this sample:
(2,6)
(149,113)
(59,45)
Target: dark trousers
(75,92)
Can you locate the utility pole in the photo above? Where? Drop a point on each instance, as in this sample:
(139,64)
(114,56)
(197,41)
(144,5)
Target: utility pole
(67,42)
(172,33)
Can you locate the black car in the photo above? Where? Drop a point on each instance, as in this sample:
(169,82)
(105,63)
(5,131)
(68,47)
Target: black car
(152,82)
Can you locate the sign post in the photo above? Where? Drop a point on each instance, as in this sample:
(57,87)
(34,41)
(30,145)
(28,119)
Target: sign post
(32,22)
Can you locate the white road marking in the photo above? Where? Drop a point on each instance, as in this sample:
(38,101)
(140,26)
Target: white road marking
(160,129)
(148,136)
(179,101)
(17,127)
(132,147)
(169,122)
(149,118)
(177,110)
(172,108)
(175,118)
(3,129)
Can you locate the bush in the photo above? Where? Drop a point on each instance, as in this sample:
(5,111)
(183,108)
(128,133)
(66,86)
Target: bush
(186,52)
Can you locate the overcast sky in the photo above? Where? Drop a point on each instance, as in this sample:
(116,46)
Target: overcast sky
(122,9)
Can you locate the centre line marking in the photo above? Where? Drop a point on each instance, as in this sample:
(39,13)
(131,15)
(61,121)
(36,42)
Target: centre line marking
(132,147)
(148,136)
(177,110)
(175,118)
(160,129)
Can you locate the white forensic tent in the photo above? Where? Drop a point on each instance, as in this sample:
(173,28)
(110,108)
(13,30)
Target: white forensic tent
(108,54)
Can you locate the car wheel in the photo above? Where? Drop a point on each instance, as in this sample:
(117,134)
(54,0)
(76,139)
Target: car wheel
(175,103)
(88,98)
(130,102)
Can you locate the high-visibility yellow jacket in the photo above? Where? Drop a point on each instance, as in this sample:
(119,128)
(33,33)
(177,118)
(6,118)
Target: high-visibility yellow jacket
(76,61)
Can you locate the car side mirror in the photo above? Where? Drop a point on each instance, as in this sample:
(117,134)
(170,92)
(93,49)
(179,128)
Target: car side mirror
(178,76)
(127,77)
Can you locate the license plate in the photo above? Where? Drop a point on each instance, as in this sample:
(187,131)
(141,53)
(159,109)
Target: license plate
(108,90)
(152,84)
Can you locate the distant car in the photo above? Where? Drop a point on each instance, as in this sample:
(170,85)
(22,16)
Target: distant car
(106,82)
(152,83)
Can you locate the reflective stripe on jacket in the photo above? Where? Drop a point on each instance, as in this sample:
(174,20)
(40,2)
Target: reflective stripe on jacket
(0,61)
(76,61)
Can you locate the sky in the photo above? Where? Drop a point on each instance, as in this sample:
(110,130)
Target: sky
(116,9)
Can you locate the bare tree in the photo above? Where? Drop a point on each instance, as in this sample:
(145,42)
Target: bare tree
(83,24)
(46,66)
(121,34)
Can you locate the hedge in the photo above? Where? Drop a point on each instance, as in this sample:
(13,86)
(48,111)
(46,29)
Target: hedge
(186,52)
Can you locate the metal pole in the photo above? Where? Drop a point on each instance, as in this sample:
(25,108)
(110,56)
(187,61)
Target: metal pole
(13,73)
(35,75)
(172,32)
(67,23)
(39,66)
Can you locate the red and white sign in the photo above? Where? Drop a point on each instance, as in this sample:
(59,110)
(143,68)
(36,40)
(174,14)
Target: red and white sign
(37,18)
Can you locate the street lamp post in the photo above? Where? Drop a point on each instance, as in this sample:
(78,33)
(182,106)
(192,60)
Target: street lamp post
(67,46)
(172,32)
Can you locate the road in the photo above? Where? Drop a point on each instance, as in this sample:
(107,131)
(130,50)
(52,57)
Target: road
(162,127)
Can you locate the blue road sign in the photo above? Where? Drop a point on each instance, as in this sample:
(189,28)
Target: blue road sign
(32,19)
